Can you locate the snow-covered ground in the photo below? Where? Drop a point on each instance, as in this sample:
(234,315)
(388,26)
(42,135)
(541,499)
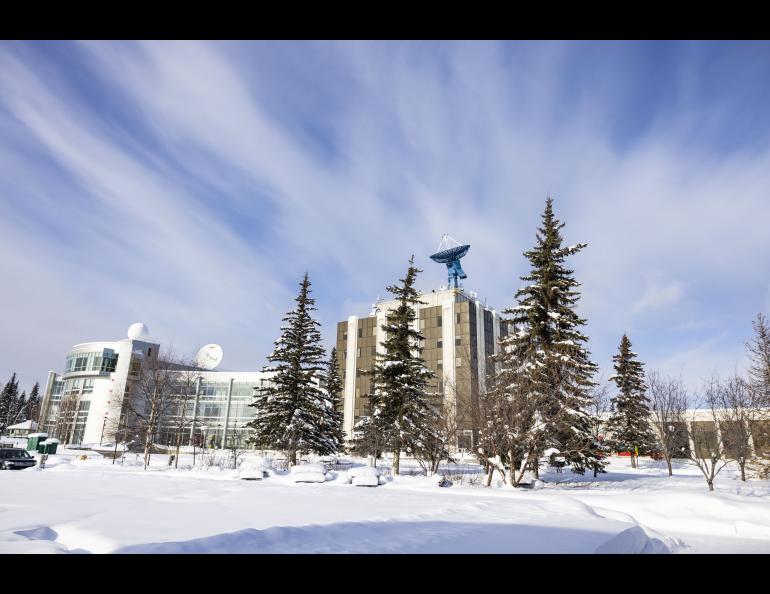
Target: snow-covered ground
(94,506)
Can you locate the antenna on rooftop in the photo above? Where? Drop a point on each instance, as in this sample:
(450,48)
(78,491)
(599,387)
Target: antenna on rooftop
(449,252)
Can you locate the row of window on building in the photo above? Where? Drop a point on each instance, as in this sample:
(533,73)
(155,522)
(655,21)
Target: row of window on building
(100,362)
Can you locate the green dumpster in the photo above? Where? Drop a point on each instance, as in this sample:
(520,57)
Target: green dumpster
(34,439)
(48,446)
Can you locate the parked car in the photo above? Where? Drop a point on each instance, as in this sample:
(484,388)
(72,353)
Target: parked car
(253,469)
(308,473)
(365,476)
(15,459)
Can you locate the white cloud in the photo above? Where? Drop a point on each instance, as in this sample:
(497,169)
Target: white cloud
(659,295)
(427,138)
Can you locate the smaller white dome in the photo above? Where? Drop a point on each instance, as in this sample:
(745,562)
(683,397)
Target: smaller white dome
(209,356)
(138,331)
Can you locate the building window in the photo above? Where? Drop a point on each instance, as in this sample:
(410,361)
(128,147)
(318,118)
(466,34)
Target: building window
(458,318)
(358,354)
(439,344)
(439,364)
(458,341)
(438,321)
(109,362)
(458,361)
(360,333)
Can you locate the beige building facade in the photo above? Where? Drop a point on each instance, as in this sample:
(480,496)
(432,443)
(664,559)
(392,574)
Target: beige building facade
(460,334)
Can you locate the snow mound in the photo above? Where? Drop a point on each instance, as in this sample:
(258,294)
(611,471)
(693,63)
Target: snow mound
(636,540)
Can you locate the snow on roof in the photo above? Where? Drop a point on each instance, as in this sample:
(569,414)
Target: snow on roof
(30,424)
(38,435)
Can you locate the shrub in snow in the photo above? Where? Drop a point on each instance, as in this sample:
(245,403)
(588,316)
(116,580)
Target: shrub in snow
(308,473)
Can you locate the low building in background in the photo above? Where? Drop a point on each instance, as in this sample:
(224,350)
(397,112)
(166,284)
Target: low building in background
(21,429)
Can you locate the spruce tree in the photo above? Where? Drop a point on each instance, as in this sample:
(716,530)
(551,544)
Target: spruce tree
(401,412)
(291,409)
(552,348)
(332,420)
(8,402)
(33,404)
(629,423)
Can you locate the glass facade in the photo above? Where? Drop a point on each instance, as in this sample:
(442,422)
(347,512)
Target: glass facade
(96,362)
(225,425)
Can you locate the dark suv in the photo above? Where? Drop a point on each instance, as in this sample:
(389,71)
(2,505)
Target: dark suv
(15,459)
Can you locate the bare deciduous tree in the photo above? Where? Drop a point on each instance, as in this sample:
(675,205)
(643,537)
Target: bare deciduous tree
(668,407)
(758,350)
(153,397)
(236,446)
(184,388)
(442,435)
(738,410)
(599,407)
(708,452)
(511,432)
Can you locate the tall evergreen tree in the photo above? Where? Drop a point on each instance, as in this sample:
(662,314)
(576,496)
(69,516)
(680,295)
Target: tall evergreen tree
(8,402)
(629,423)
(401,411)
(332,420)
(291,410)
(33,404)
(551,347)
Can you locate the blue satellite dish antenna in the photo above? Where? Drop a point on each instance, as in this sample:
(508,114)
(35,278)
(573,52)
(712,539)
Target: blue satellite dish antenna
(449,252)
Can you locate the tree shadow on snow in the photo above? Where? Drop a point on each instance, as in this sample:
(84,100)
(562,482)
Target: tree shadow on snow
(415,537)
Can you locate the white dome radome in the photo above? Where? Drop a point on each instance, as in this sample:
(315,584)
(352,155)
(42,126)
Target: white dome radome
(209,356)
(138,331)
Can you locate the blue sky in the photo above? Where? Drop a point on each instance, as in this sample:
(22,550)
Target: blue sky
(189,185)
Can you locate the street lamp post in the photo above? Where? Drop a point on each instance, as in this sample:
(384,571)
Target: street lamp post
(101,437)
(204,428)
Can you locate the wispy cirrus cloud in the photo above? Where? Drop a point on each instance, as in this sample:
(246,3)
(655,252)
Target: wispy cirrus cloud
(190,184)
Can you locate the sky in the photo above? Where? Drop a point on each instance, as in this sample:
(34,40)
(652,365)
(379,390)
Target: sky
(190,185)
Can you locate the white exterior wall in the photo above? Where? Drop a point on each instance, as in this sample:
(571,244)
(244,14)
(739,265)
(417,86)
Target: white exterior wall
(349,408)
(480,350)
(449,353)
(496,336)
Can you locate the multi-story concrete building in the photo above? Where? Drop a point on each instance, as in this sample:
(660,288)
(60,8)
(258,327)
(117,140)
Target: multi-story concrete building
(461,333)
(88,402)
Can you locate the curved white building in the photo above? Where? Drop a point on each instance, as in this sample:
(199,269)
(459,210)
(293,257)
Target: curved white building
(88,402)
